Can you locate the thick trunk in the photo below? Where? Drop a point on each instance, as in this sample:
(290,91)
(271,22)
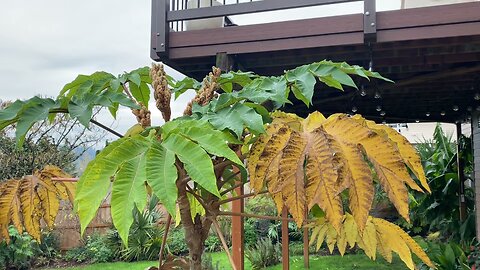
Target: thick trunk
(196,231)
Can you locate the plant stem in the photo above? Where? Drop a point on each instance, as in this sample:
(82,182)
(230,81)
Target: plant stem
(240,197)
(224,243)
(164,241)
(234,187)
(226,213)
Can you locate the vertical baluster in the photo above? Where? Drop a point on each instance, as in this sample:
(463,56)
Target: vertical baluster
(211,3)
(198,3)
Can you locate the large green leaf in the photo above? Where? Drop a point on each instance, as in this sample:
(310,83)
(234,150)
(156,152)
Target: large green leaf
(303,83)
(140,93)
(162,175)
(128,191)
(198,163)
(95,181)
(236,118)
(34,110)
(214,143)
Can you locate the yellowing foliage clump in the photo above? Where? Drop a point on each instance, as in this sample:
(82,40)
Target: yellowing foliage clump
(26,202)
(312,161)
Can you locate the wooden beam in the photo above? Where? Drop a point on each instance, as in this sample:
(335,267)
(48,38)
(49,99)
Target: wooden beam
(285,253)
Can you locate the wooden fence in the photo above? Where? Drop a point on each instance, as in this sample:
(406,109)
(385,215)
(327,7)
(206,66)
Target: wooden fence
(67,226)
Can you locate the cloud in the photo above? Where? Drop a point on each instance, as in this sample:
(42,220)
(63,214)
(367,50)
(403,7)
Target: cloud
(45,44)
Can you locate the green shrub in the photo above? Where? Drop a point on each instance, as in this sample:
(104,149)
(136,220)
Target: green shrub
(145,237)
(176,242)
(264,254)
(19,253)
(95,250)
(212,244)
(250,233)
(448,256)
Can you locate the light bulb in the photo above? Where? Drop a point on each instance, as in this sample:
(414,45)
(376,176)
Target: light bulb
(363,92)
(455,108)
(469,108)
(477,96)
(427,114)
(417,121)
(377,95)
(442,113)
(354,109)
(382,113)
(378,108)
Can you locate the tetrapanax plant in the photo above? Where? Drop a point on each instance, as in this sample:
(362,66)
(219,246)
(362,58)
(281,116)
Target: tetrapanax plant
(194,162)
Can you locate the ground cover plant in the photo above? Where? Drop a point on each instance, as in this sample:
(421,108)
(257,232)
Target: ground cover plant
(193,163)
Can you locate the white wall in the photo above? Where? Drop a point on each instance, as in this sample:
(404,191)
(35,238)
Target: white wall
(427,3)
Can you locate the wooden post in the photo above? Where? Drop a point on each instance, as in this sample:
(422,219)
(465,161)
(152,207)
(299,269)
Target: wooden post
(238,236)
(461,175)
(285,255)
(226,63)
(306,255)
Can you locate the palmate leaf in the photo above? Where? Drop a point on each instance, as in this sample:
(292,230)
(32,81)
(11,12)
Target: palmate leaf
(128,191)
(308,162)
(378,235)
(162,175)
(26,202)
(197,162)
(94,183)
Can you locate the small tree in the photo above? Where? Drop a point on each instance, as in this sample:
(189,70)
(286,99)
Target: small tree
(194,162)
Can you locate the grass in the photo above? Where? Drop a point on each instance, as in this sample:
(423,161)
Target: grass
(348,262)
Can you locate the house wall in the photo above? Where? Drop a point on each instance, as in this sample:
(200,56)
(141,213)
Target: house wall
(428,3)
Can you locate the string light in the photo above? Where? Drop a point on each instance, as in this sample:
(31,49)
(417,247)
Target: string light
(363,92)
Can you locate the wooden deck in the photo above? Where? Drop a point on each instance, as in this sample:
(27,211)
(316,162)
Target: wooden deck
(432,53)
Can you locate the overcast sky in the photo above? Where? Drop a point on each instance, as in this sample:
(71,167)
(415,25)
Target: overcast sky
(45,44)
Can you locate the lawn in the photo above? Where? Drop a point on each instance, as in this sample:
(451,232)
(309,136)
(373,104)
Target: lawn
(347,262)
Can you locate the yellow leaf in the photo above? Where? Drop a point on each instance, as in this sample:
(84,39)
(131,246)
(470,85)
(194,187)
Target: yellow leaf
(134,130)
(292,176)
(342,241)
(355,170)
(331,238)
(25,202)
(369,240)
(272,147)
(351,231)
(322,175)
(313,121)
(321,235)
(408,153)
(386,160)
(412,245)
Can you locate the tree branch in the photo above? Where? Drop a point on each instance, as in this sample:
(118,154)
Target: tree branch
(241,197)
(224,243)
(227,213)
(164,241)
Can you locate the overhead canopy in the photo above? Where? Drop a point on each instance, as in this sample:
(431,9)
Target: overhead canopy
(432,53)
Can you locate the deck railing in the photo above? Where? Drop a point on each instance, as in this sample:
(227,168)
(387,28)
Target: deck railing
(174,15)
